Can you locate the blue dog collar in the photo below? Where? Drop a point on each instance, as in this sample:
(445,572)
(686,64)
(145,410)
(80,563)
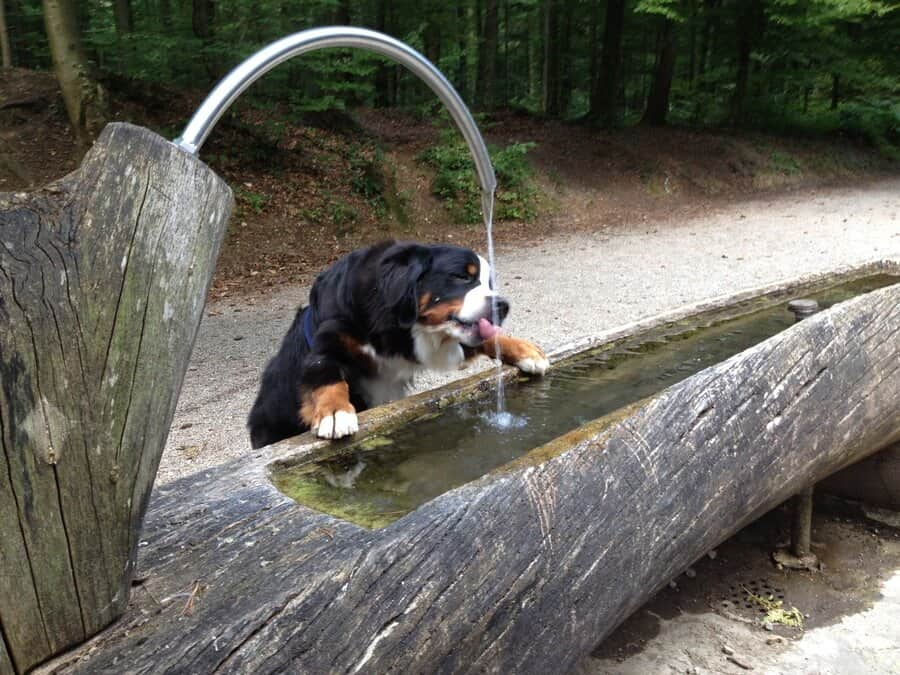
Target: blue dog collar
(307,326)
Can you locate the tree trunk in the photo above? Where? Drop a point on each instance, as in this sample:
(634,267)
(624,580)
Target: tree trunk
(123,16)
(658,99)
(710,23)
(382,89)
(526,569)
(487,62)
(566,57)
(603,103)
(462,35)
(341,16)
(692,42)
(202,14)
(432,35)
(165,14)
(103,278)
(594,52)
(5,49)
(749,17)
(551,101)
(534,60)
(85,99)
(835,90)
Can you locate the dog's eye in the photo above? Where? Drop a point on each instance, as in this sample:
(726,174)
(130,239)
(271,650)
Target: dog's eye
(462,277)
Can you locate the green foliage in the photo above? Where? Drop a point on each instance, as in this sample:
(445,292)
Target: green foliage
(784,163)
(814,66)
(456,180)
(247,198)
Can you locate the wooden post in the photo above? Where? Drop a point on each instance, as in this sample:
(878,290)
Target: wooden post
(103,278)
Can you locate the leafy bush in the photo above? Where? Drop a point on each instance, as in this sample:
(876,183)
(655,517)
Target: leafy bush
(876,122)
(457,183)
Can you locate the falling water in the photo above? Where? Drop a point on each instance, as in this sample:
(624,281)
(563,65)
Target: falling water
(487,211)
(501,418)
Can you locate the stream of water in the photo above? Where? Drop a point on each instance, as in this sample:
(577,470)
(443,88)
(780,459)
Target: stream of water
(500,417)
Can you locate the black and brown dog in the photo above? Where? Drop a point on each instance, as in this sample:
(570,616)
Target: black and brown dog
(375,318)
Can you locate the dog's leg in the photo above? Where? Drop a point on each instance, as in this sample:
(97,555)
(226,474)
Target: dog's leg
(328,411)
(524,355)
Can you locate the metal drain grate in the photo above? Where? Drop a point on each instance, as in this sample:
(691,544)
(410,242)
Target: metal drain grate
(738,603)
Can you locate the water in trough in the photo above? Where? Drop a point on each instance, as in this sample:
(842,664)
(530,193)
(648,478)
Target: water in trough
(385,476)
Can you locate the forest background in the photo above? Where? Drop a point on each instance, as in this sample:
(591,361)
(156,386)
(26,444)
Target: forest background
(548,79)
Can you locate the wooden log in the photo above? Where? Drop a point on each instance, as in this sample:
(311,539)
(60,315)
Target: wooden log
(526,569)
(103,278)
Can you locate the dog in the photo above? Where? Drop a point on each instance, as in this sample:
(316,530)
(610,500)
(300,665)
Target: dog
(375,318)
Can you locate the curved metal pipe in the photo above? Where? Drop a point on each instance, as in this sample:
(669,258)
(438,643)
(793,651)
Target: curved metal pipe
(264,60)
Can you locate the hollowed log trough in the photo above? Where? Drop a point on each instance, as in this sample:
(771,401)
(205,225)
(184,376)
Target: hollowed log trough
(527,568)
(523,570)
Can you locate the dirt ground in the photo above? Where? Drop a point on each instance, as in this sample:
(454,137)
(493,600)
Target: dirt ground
(710,619)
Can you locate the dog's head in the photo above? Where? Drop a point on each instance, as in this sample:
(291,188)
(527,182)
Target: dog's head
(442,289)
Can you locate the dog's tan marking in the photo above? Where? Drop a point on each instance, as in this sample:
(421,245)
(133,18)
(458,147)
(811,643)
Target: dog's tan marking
(439,313)
(523,354)
(424,300)
(325,401)
(472,269)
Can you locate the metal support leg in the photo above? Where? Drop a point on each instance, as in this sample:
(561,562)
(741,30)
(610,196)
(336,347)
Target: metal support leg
(800,555)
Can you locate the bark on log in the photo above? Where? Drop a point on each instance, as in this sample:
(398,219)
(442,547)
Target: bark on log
(528,568)
(103,278)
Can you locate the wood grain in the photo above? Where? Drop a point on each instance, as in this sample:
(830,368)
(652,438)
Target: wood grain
(103,278)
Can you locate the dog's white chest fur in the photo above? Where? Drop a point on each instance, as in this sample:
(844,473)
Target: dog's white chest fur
(396,374)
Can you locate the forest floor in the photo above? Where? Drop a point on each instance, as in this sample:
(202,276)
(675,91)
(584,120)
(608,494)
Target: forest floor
(301,204)
(631,223)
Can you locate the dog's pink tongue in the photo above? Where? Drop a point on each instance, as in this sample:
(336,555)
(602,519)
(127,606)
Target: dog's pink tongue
(486,329)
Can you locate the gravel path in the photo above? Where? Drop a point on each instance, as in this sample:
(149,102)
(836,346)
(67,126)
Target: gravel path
(560,290)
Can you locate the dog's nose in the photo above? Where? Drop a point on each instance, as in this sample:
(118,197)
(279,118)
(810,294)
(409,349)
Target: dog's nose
(502,309)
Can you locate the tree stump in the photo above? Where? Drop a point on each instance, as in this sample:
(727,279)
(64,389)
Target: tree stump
(103,278)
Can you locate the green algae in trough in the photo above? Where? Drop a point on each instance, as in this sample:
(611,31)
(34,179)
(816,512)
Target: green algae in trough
(378,479)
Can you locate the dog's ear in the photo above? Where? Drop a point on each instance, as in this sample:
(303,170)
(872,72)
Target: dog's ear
(399,271)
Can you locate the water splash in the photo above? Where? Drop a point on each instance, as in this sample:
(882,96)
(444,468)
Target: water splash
(504,420)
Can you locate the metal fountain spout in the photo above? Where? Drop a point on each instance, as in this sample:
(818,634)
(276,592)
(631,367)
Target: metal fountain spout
(264,60)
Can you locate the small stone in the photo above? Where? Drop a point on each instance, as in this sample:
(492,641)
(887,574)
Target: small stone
(690,573)
(673,585)
(727,650)
(777,640)
(712,554)
(741,664)
(768,626)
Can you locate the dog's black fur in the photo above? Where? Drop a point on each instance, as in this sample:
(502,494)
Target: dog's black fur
(362,310)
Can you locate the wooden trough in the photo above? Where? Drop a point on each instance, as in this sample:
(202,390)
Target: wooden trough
(525,569)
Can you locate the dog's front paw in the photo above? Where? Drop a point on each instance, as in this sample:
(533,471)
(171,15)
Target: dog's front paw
(524,355)
(328,411)
(341,423)
(535,363)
